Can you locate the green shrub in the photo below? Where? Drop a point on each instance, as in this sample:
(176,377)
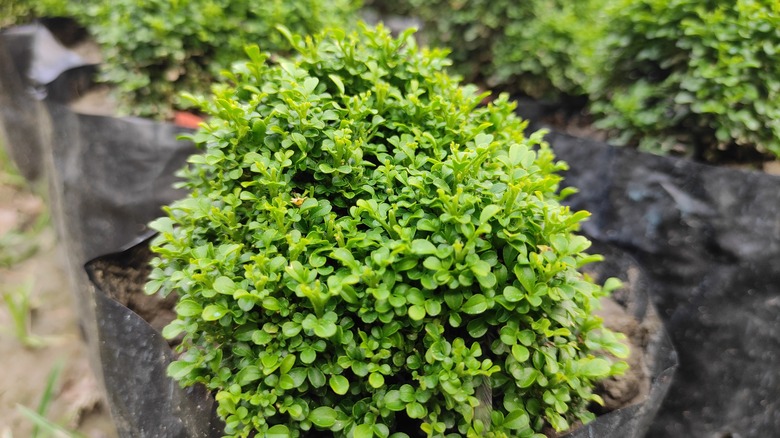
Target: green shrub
(540,47)
(692,75)
(13,12)
(156,49)
(368,251)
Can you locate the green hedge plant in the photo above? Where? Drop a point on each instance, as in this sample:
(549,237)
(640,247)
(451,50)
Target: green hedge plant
(13,12)
(156,49)
(368,252)
(540,48)
(692,76)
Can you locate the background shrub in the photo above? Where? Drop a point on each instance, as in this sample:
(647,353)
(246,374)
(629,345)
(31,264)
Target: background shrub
(12,12)
(155,49)
(692,75)
(539,47)
(367,250)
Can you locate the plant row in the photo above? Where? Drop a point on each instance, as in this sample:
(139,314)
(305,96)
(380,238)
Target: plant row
(688,76)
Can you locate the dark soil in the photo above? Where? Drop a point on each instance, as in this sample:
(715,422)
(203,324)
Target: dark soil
(633,386)
(123,279)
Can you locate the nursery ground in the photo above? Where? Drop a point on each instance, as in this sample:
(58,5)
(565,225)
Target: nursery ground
(32,266)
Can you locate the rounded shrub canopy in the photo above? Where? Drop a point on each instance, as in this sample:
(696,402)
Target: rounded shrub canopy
(368,251)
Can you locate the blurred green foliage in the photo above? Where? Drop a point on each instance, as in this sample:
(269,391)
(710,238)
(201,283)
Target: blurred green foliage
(155,49)
(692,75)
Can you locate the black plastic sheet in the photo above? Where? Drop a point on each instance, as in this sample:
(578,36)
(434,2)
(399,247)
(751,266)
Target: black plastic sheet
(709,239)
(108,178)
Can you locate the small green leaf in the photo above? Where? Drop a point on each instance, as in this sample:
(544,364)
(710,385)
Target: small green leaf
(432,307)
(488,212)
(298,375)
(345,256)
(454,299)
(287,364)
(556,420)
(364,431)
(213,312)
(188,308)
(423,247)
(612,284)
(162,225)
(406,393)
(520,353)
(248,375)
(594,368)
(325,329)
(278,431)
(376,380)
(618,349)
(393,400)
(272,304)
(480,268)
(526,276)
(526,337)
(526,377)
(152,286)
(517,420)
(316,377)
(261,337)
(339,384)
(308,355)
(173,329)
(179,369)
(475,305)
(338,82)
(224,285)
(513,294)
(417,312)
(416,410)
(310,83)
(323,416)
(286,382)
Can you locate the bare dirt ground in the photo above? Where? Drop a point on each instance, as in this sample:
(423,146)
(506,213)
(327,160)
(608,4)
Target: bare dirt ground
(31,264)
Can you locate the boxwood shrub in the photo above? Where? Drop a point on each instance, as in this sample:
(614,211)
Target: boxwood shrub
(368,251)
(12,12)
(540,48)
(695,76)
(155,49)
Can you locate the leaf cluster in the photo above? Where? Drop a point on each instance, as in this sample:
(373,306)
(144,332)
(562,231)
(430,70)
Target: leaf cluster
(155,49)
(368,251)
(701,75)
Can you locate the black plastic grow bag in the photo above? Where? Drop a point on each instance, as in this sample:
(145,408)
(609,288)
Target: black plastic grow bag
(121,303)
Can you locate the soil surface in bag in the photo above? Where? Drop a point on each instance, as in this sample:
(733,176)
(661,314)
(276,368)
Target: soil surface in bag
(120,278)
(709,240)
